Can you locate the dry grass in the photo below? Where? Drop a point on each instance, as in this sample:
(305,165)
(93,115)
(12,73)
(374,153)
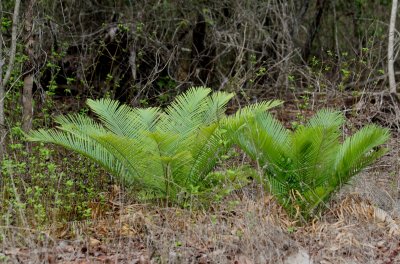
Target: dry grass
(360,226)
(242,229)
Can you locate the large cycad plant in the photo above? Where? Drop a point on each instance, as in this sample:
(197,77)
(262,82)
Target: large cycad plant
(302,168)
(160,154)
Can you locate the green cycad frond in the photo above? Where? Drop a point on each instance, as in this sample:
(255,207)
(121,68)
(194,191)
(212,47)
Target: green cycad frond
(123,120)
(262,137)
(128,152)
(327,118)
(262,106)
(316,145)
(206,154)
(113,115)
(302,168)
(272,138)
(247,113)
(161,154)
(74,135)
(79,124)
(82,144)
(359,151)
(215,109)
(147,118)
(243,122)
(185,113)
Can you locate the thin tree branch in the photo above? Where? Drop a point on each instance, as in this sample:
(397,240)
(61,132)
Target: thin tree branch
(392,25)
(13,42)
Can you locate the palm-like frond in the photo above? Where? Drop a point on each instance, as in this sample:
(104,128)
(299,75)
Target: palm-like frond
(114,116)
(161,154)
(245,115)
(215,109)
(186,112)
(207,153)
(82,144)
(123,120)
(316,145)
(359,151)
(302,168)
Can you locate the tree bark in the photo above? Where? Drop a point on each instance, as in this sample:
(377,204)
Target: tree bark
(3,130)
(27,99)
(312,31)
(392,25)
(27,103)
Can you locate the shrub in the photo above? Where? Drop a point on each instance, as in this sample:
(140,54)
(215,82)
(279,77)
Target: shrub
(159,154)
(302,168)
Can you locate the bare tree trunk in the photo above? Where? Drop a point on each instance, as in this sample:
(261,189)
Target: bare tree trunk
(3,130)
(312,31)
(335,33)
(286,48)
(27,105)
(10,65)
(27,99)
(392,25)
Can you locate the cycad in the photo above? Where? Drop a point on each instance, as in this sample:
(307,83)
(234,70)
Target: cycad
(160,154)
(303,167)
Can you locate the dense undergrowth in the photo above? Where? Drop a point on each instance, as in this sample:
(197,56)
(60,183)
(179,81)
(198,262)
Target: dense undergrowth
(169,156)
(213,189)
(46,185)
(47,190)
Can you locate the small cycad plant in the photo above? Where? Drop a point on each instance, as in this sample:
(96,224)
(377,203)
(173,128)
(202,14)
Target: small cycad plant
(159,154)
(302,168)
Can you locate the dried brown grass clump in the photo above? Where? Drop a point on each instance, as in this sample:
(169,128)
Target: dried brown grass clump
(354,231)
(238,229)
(241,229)
(246,227)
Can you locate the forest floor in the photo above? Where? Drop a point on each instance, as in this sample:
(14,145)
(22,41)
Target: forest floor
(361,225)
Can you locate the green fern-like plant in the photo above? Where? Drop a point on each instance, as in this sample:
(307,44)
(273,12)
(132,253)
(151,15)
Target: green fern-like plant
(302,168)
(159,154)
